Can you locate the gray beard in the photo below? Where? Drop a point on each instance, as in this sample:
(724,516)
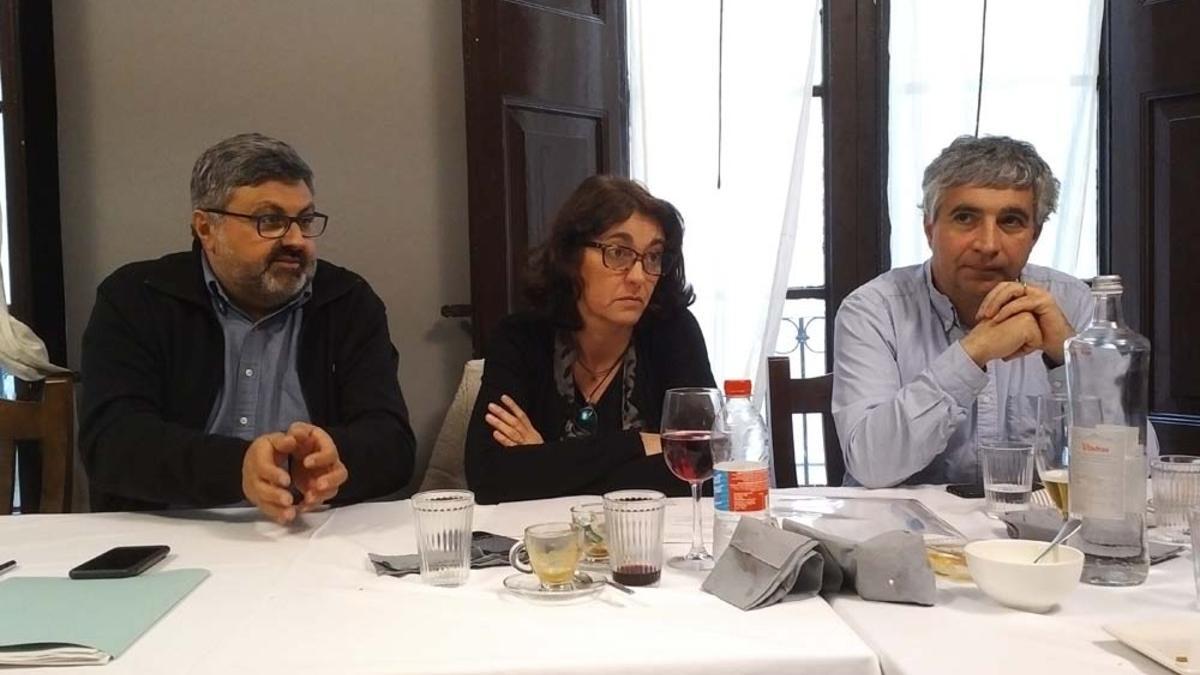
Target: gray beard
(276,289)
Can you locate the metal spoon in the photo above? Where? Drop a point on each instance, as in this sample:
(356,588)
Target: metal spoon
(1070,527)
(618,585)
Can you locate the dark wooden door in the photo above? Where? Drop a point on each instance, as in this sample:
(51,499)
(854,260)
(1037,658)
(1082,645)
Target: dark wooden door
(1153,197)
(547,105)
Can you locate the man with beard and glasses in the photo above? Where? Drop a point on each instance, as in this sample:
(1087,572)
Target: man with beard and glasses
(930,357)
(245,368)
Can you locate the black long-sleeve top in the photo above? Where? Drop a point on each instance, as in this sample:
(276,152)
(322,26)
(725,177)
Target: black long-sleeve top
(520,363)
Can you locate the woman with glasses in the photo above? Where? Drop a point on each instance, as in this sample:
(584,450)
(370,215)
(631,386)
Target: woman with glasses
(572,390)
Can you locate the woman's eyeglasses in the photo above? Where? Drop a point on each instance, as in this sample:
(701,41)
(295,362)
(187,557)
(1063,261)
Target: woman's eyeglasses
(622,258)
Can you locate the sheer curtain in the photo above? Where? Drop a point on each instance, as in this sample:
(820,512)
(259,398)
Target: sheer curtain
(726,94)
(1041,64)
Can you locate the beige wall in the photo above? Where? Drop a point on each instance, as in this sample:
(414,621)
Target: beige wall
(370,93)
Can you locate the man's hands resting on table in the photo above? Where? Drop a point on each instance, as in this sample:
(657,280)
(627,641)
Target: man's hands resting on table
(316,471)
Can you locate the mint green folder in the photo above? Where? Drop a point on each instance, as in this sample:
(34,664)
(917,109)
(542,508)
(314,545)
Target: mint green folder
(60,621)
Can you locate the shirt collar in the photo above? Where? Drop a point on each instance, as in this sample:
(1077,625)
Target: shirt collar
(941,303)
(223,304)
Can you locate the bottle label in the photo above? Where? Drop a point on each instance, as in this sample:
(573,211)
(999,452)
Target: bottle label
(1099,468)
(741,490)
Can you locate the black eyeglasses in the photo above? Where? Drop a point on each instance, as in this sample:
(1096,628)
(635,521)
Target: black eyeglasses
(622,258)
(276,225)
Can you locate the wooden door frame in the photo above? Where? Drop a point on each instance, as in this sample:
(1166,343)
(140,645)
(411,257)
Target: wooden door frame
(31,161)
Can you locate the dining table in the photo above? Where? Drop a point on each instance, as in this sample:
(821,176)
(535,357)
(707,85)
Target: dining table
(968,632)
(304,598)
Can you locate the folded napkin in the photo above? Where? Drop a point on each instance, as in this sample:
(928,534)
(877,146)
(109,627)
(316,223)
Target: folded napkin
(487,550)
(763,564)
(1043,524)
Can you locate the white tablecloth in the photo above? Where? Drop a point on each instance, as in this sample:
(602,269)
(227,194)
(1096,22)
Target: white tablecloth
(305,600)
(969,633)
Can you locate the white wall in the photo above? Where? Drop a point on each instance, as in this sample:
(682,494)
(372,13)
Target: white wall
(369,92)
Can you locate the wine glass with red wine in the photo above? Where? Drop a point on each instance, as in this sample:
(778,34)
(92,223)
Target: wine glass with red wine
(689,429)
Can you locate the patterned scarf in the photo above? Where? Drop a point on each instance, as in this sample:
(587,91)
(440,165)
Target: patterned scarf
(565,356)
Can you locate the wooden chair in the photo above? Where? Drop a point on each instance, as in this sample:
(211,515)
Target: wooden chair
(790,397)
(50,422)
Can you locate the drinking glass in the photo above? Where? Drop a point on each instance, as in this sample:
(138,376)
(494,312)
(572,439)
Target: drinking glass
(690,427)
(1194,526)
(634,530)
(1175,483)
(589,518)
(553,550)
(1007,474)
(444,535)
(1051,448)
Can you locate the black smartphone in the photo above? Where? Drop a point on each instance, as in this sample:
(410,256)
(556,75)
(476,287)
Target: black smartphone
(119,562)
(966,490)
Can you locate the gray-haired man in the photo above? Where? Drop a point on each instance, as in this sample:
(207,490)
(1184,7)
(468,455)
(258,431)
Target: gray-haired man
(928,356)
(244,369)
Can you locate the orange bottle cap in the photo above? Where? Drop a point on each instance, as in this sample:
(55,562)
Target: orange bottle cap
(737,387)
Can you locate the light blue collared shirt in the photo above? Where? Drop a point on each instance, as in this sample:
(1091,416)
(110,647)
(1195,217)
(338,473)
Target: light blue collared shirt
(261,389)
(907,400)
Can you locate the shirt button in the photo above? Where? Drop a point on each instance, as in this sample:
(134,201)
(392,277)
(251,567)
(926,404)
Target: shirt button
(243,421)
(249,372)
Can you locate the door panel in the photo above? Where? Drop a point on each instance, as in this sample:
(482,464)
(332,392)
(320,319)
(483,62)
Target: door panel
(547,106)
(1153,169)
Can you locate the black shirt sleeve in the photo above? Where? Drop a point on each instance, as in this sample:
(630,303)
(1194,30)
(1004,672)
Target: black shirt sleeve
(518,364)
(372,432)
(127,445)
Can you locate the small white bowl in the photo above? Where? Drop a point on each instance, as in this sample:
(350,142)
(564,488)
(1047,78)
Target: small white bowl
(1004,569)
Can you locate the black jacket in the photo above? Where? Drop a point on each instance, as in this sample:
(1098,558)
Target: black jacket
(670,353)
(153,364)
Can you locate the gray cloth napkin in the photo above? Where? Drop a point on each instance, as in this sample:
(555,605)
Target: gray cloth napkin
(1043,524)
(487,550)
(400,565)
(763,564)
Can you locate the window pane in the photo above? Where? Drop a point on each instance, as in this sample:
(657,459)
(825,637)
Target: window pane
(933,99)
(808,437)
(802,336)
(802,340)
(808,260)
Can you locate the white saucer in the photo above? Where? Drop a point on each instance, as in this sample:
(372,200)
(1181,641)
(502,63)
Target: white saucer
(1164,640)
(527,586)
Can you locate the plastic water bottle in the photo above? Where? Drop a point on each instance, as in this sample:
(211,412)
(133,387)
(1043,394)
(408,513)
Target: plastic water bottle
(741,467)
(1108,371)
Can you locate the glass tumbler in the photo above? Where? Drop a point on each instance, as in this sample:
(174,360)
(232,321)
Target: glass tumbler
(444,535)
(634,523)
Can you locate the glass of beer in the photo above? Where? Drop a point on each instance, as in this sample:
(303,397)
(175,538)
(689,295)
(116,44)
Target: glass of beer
(1051,448)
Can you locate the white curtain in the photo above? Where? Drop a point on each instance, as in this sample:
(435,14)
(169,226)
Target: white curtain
(1041,63)
(739,236)
(22,352)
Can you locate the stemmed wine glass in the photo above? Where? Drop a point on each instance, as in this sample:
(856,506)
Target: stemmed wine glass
(689,429)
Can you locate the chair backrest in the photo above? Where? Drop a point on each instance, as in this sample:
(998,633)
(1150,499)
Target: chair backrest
(446,461)
(800,396)
(50,421)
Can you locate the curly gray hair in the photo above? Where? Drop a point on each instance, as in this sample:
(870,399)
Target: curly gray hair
(245,159)
(993,162)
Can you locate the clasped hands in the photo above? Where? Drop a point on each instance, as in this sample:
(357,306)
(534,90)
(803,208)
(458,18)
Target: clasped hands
(1016,319)
(316,471)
